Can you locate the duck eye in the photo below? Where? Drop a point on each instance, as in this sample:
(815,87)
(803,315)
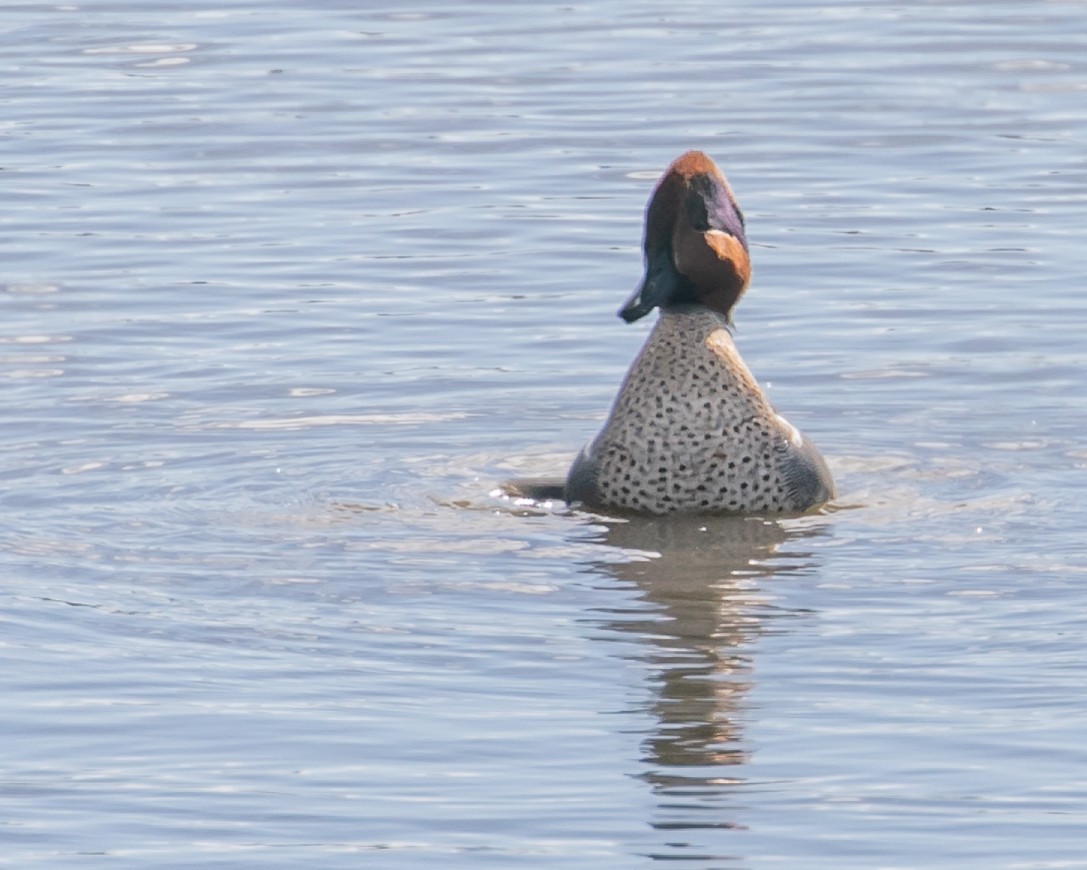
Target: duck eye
(710,206)
(695,208)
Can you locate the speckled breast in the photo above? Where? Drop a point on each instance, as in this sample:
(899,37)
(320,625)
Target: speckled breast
(691,429)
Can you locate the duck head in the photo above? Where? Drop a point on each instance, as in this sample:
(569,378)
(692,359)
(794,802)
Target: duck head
(695,248)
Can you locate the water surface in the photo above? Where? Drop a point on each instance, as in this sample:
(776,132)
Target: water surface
(286,293)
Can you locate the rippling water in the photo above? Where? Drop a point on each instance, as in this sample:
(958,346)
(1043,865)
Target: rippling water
(289,288)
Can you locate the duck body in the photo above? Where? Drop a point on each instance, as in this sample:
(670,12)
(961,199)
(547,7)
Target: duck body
(691,430)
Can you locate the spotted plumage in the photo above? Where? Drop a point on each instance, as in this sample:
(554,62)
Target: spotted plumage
(691,430)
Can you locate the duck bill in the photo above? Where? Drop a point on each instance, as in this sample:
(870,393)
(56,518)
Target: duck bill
(660,286)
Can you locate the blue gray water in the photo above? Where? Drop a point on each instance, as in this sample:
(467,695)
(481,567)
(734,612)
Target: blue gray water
(289,288)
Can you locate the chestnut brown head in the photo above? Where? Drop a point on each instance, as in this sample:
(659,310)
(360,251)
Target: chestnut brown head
(695,247)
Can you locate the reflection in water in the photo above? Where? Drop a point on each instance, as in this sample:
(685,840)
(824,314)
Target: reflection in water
(703,579)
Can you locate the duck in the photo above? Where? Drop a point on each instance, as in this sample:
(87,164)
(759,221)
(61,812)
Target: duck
(691,430)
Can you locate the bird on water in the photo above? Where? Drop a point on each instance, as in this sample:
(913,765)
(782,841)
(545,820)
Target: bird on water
(691,430)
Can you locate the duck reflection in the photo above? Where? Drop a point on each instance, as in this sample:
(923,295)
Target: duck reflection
(705,580)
